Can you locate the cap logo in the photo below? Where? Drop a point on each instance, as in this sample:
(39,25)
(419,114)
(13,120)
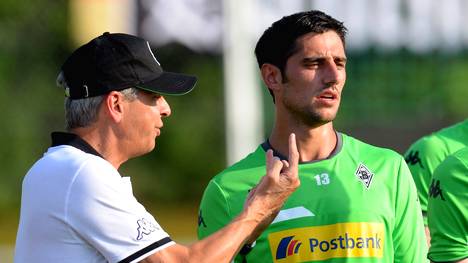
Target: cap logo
(86,90)
(151,52)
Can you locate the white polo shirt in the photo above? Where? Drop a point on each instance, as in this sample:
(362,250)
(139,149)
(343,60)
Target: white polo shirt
(75,207)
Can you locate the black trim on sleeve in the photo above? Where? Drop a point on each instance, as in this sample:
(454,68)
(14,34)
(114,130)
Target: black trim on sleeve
(146,250)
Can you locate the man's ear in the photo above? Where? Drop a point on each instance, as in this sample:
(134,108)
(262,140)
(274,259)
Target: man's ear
(113,105)
(271,75)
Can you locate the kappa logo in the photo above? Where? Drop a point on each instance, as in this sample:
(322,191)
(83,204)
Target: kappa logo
(365,175)
(413,158)
(287,247)
(145,227)
(435,190)
(201,220)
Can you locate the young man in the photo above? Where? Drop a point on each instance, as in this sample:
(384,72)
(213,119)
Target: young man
(424,155)
(357,202)
(75,205)
(448,210)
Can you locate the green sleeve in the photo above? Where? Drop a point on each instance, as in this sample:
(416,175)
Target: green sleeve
(448,210)
(422,159)
(214,212)
(409,240)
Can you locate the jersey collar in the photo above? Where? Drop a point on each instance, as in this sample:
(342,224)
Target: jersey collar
(339,144)
(65,138)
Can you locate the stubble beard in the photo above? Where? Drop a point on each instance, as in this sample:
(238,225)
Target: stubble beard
(309,116)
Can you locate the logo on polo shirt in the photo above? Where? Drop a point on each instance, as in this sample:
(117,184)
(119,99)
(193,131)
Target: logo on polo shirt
(435,191)
(413,158)
(145,227)
(343,240)
(201,220)
(364,175)
(287,247)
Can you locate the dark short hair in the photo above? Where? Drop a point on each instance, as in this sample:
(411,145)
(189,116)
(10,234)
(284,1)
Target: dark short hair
(278,42)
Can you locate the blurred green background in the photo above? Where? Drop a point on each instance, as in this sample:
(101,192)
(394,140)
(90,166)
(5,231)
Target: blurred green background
(391,98)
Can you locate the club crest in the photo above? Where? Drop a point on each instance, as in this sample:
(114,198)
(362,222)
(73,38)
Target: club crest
(364,175)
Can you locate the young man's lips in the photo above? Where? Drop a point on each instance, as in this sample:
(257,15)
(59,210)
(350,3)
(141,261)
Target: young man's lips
(328,95)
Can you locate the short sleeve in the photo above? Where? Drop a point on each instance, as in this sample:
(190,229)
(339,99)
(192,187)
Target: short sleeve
(422,158)
(448,210)
(214,212)
(102,210)
(409,240)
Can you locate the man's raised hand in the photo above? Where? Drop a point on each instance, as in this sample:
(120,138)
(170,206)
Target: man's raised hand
(270,194)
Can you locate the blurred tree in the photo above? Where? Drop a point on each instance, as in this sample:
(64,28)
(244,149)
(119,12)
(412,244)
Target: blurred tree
(33,41)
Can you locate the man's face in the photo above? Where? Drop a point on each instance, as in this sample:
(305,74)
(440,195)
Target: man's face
(314,78)
(143,122)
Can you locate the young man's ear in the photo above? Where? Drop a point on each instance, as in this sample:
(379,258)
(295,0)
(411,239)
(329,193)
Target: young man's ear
(113,105)
(271,75)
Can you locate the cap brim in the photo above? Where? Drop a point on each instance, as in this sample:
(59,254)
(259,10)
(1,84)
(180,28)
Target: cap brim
(169,83)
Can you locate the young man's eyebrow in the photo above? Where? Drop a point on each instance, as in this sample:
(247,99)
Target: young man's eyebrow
(321,58)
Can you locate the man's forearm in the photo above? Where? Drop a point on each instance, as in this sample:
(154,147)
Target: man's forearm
(221,246)
(224,245)
(262,205)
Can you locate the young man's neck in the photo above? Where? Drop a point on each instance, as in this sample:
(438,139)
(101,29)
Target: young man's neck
(313,143)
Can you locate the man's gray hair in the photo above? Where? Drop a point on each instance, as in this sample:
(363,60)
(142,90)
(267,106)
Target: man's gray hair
(83,112)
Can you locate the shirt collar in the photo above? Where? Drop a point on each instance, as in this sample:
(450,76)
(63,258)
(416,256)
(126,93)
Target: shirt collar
(65,138)
(339,144)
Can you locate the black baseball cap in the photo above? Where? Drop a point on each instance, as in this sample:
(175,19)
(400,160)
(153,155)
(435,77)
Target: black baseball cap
(117,61)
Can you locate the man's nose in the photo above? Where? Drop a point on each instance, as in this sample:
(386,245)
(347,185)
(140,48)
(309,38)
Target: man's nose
(164,108)
(331,74)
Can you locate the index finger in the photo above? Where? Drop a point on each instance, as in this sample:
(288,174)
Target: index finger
(293,152)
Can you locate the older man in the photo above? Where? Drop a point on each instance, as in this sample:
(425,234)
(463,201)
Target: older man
(75,205)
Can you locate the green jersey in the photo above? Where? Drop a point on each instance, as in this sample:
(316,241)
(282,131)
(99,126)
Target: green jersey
(448,209)
(358,205)
(427,153)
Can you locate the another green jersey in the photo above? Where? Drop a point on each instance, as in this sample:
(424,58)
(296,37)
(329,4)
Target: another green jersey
(427,153)
(448,209)
(359,205)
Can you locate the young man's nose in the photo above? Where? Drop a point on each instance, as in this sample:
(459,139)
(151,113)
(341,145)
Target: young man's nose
(331,73)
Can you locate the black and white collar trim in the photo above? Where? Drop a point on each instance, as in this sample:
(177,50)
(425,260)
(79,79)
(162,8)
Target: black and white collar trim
(65,138)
